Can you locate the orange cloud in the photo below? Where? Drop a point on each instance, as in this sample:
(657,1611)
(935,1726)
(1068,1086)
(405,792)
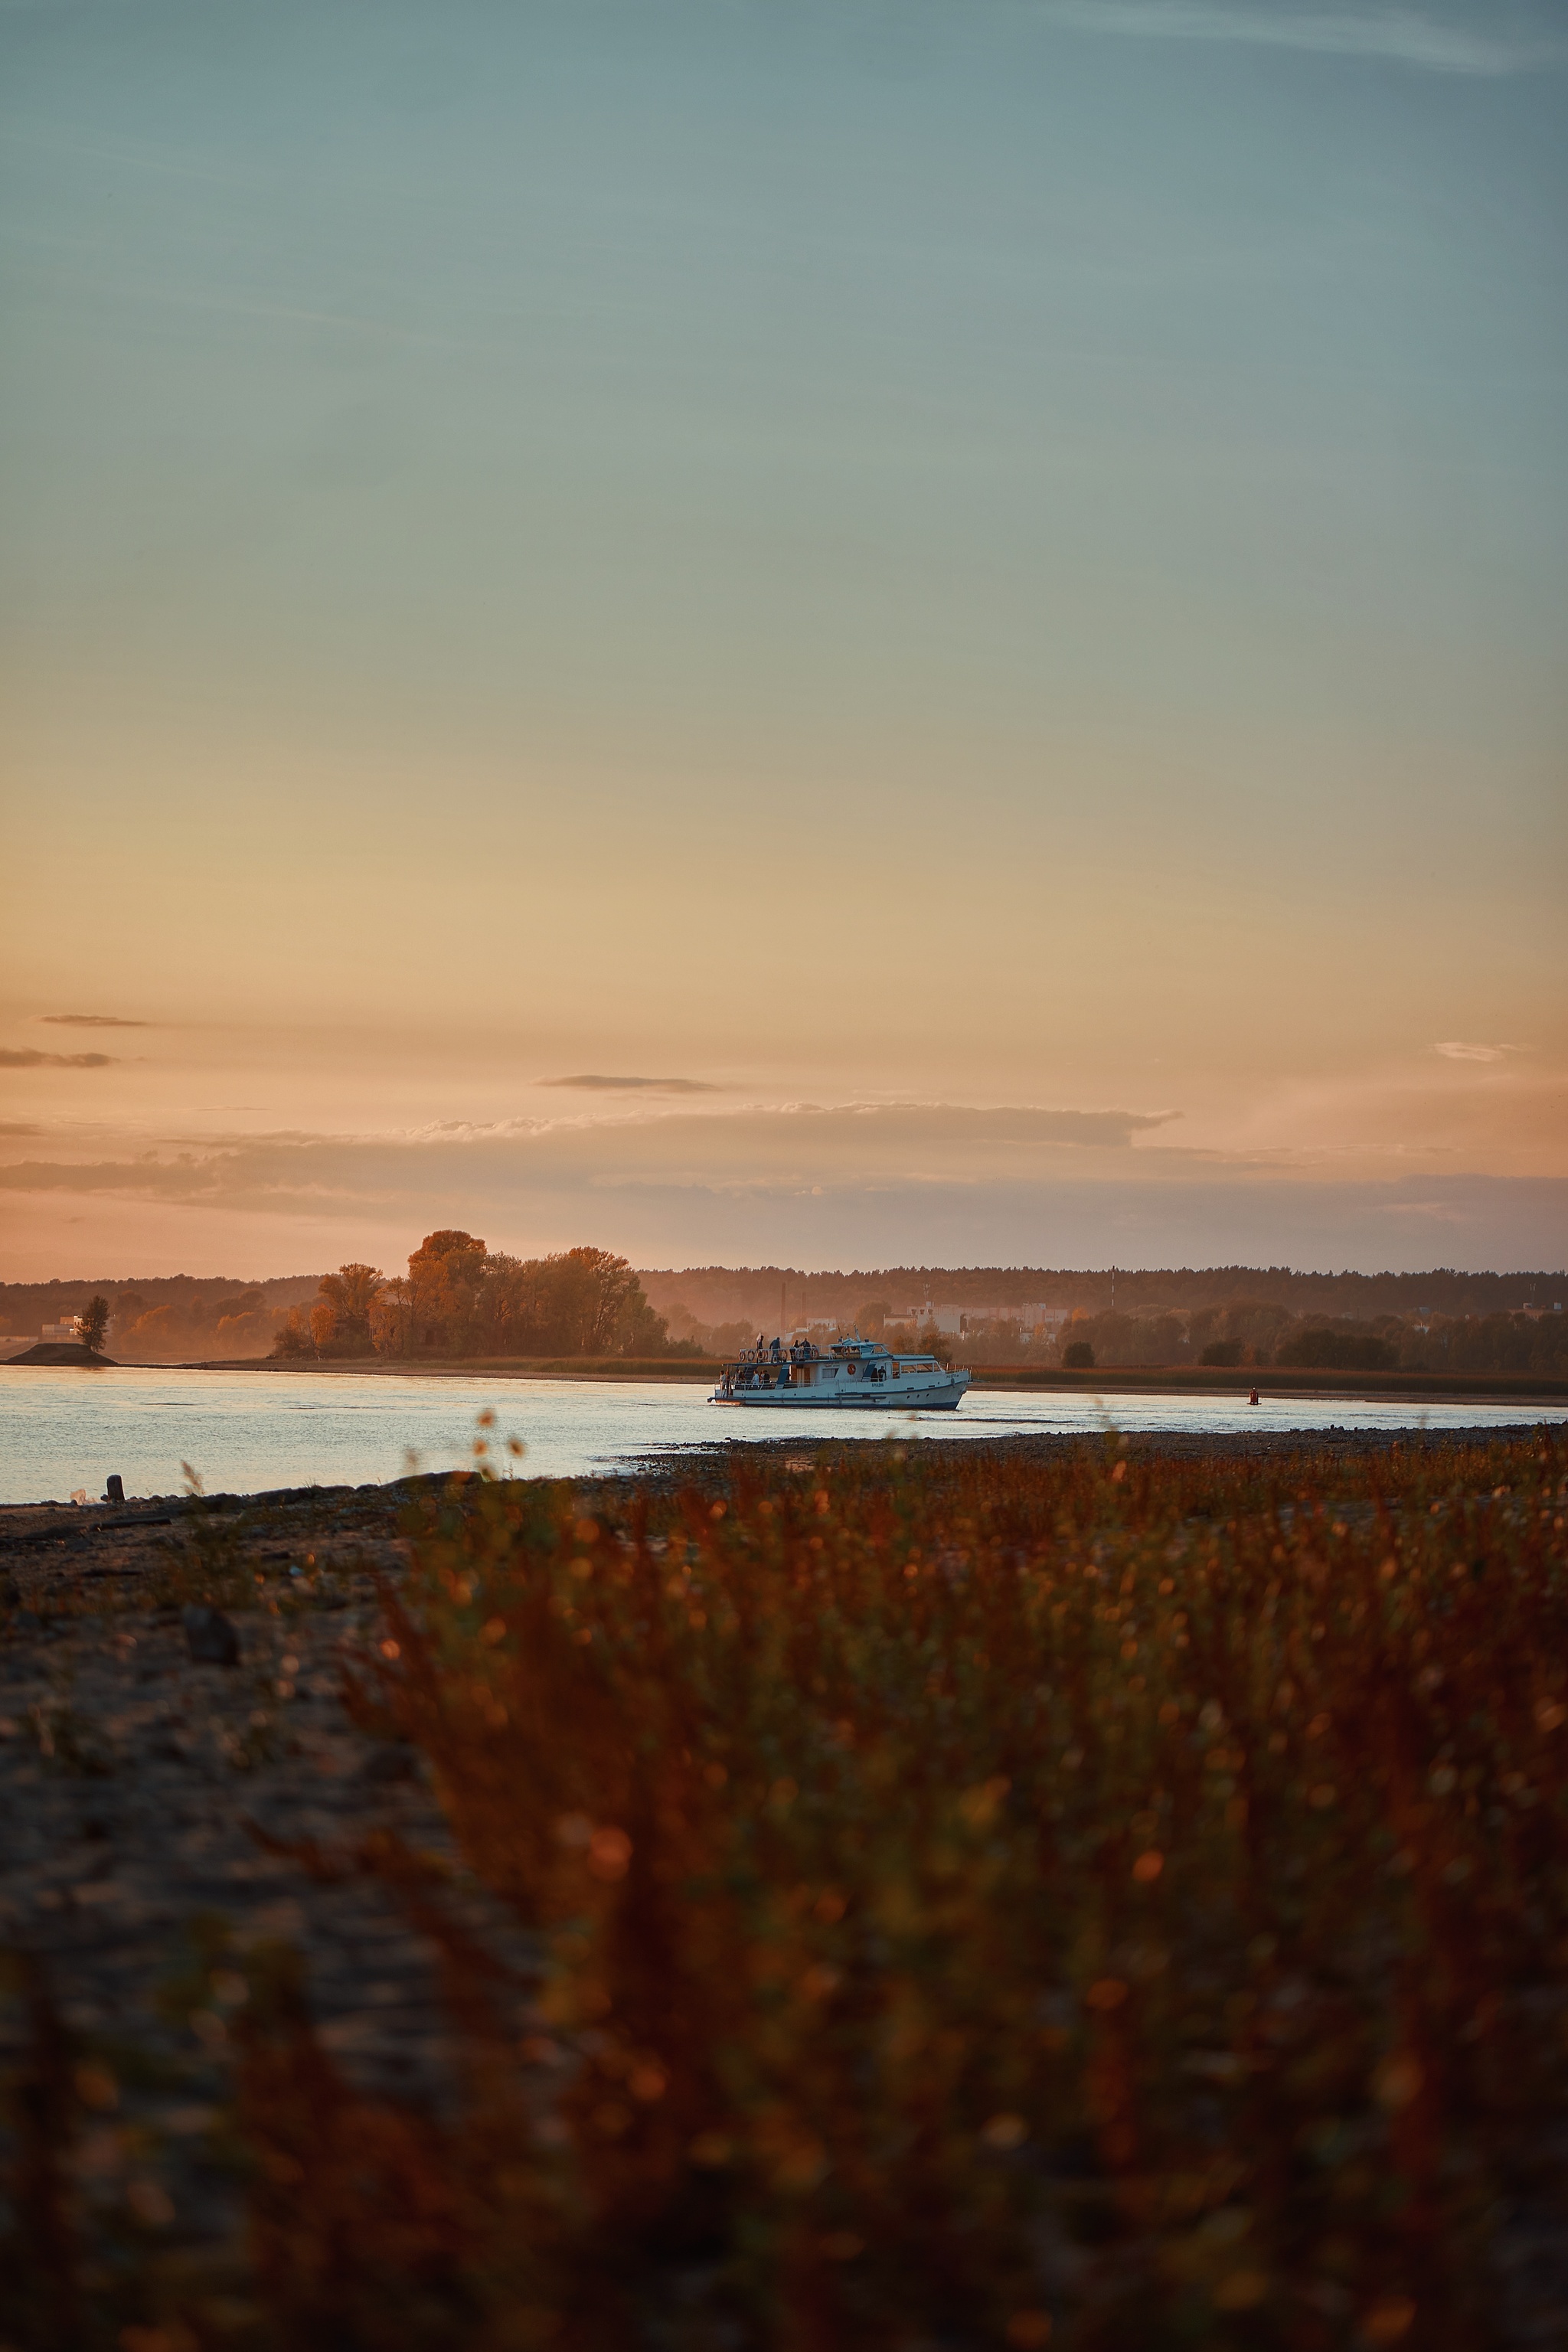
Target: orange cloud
(28,1057)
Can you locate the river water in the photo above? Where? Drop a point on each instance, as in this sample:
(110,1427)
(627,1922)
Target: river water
(61,1431)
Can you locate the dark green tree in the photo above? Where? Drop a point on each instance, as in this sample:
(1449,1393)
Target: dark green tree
(1320,1349)
(92,1324)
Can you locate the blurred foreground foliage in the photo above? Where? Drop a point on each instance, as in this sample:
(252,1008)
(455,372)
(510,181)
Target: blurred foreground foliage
(1115,1902)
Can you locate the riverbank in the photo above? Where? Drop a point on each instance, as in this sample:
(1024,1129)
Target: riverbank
(1158,1379)
(714,1467)
(466,1368)
(90,1540)
(55,1355)
(1271,1380)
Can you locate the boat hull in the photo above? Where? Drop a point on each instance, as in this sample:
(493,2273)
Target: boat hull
(893,1398)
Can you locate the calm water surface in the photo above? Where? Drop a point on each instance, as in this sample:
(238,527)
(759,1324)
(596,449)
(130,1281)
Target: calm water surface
(245,1431)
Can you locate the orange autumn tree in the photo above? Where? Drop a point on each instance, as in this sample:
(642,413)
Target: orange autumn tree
(610,1313)
(446,1275)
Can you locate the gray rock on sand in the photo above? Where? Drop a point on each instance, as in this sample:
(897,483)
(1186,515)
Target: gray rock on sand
(211,1638)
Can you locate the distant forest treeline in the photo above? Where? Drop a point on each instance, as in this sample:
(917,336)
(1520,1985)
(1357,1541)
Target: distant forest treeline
(722,1294)
(459,1298)
(1441,1321)
(1252,1332)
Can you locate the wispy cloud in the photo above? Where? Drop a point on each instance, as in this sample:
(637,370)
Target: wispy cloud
(28,1057)
(1453,1049)
(1472,43)
(857,1145)
(90,1021)
(592,1083)
(939,1186)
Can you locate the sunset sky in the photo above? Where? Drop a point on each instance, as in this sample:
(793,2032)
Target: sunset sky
(972,596)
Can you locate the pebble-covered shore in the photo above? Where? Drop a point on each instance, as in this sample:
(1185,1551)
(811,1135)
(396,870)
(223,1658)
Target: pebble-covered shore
(134,1779)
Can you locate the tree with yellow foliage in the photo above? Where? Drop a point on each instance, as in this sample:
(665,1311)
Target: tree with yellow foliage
(350,1294)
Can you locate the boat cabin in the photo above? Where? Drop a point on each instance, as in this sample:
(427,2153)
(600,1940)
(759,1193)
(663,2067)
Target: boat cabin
(804,1365)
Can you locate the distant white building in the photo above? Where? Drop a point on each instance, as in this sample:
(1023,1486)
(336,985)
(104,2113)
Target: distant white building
(957,1322)
(61,1331)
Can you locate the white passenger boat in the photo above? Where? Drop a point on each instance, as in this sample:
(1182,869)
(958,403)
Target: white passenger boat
(853,1373)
